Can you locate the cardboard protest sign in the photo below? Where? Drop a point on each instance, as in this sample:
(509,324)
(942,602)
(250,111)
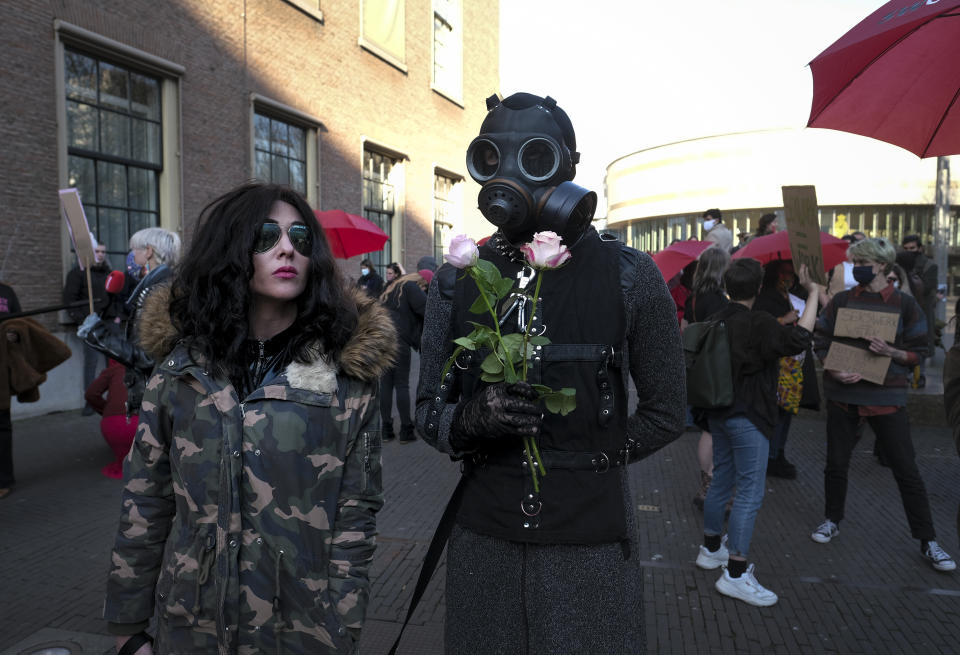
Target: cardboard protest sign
(77,225)
(862,324)
(79,230)
(870,366)
(803,228)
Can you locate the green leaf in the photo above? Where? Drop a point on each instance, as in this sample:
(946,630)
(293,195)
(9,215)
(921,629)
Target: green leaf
(492,365)
(503,287)
(487,272)
(539,341)
(488,377)
(512,344)
(560,402)
(466,342)
(479,305)
(541,389)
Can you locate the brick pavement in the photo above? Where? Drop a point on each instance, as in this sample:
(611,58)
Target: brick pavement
(866,592)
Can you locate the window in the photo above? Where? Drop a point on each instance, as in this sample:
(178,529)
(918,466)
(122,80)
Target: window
(114,134)
(445,212)
(309,7)
(383,26)
(448,49)
(280,152)
(379,199)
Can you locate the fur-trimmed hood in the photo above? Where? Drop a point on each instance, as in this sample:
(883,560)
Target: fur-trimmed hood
(368,354)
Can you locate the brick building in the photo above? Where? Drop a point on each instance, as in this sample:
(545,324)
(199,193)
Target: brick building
(152,109)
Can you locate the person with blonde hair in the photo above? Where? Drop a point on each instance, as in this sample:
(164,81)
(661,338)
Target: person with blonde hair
(852,400)
(155,250)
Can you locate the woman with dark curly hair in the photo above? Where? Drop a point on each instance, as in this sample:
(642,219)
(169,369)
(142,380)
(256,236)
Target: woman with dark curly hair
(248,516)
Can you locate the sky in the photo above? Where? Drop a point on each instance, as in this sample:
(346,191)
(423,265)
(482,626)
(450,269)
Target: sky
(633,74)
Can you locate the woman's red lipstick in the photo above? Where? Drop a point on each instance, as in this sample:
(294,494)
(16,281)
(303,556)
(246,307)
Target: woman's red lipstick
(285,272)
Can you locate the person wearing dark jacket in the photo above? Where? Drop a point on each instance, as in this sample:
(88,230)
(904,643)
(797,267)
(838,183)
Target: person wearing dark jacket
(74,289)
(920,267)
(406,300)
(742,432)
(9,304)
(369,281)
(778,278)
(706,297)
(155,251)
(554,569)
(852,400)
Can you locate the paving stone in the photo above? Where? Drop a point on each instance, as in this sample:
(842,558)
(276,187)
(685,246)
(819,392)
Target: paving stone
(868,591)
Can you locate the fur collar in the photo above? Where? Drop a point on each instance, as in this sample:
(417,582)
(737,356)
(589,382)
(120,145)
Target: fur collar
(367,355)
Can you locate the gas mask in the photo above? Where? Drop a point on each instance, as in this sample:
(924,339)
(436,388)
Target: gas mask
(524,158)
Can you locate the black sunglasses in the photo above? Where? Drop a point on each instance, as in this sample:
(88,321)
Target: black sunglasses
(269,235)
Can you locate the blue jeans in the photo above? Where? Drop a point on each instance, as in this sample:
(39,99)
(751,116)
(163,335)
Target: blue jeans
(739,459)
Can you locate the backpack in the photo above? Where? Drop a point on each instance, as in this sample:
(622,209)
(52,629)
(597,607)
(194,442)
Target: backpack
(706,353)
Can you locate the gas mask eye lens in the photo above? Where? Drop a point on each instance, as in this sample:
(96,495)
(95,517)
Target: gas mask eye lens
(539,159)
(483,160)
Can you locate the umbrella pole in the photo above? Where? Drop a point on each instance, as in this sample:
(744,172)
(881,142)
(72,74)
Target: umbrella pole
(941,235)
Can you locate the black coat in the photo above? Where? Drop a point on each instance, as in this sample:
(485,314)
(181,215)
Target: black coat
(757,342)
(75,289)
(371,283)
(407,303)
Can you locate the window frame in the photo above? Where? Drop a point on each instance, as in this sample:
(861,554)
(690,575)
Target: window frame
(371,45)
(456,25)
(310,7)
(313,128)
(169,182)
(454,201)
(394,247)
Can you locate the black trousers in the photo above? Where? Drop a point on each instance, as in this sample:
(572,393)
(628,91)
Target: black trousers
(396,380)
(893,438)
(6,449)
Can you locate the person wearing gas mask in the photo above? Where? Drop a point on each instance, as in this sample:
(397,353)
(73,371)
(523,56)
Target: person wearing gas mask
(556,570)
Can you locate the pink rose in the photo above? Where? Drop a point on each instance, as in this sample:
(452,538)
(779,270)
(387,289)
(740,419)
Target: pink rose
(545,251)
(463,252)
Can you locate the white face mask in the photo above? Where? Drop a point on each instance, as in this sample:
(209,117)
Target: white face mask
(364,271)
(708,224)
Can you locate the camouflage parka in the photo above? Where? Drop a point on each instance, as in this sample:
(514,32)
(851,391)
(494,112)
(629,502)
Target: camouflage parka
(248,524)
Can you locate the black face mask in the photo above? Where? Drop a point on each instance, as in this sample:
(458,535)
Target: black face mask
(525,158)
(863,274)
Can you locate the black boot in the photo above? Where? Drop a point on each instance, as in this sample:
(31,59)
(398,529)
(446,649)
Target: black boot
(387,432)
(407,434)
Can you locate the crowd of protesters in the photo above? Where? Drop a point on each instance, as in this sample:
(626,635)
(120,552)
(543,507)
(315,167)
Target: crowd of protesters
(780,324)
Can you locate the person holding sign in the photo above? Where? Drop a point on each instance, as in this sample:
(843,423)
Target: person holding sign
(865,379)
(743,431)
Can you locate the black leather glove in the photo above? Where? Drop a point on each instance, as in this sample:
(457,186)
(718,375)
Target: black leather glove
(499,411)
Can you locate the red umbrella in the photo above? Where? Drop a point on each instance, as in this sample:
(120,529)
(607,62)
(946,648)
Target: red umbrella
(777,246)
(895,77)
(350,235)
(672,259)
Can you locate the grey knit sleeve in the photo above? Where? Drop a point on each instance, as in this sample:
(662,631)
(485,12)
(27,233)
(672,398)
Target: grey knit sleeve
(435,348)
(655,355)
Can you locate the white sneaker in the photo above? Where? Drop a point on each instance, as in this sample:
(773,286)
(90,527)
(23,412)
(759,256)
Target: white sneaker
(709,561)
(746,588)
(827,531)
(937,557)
